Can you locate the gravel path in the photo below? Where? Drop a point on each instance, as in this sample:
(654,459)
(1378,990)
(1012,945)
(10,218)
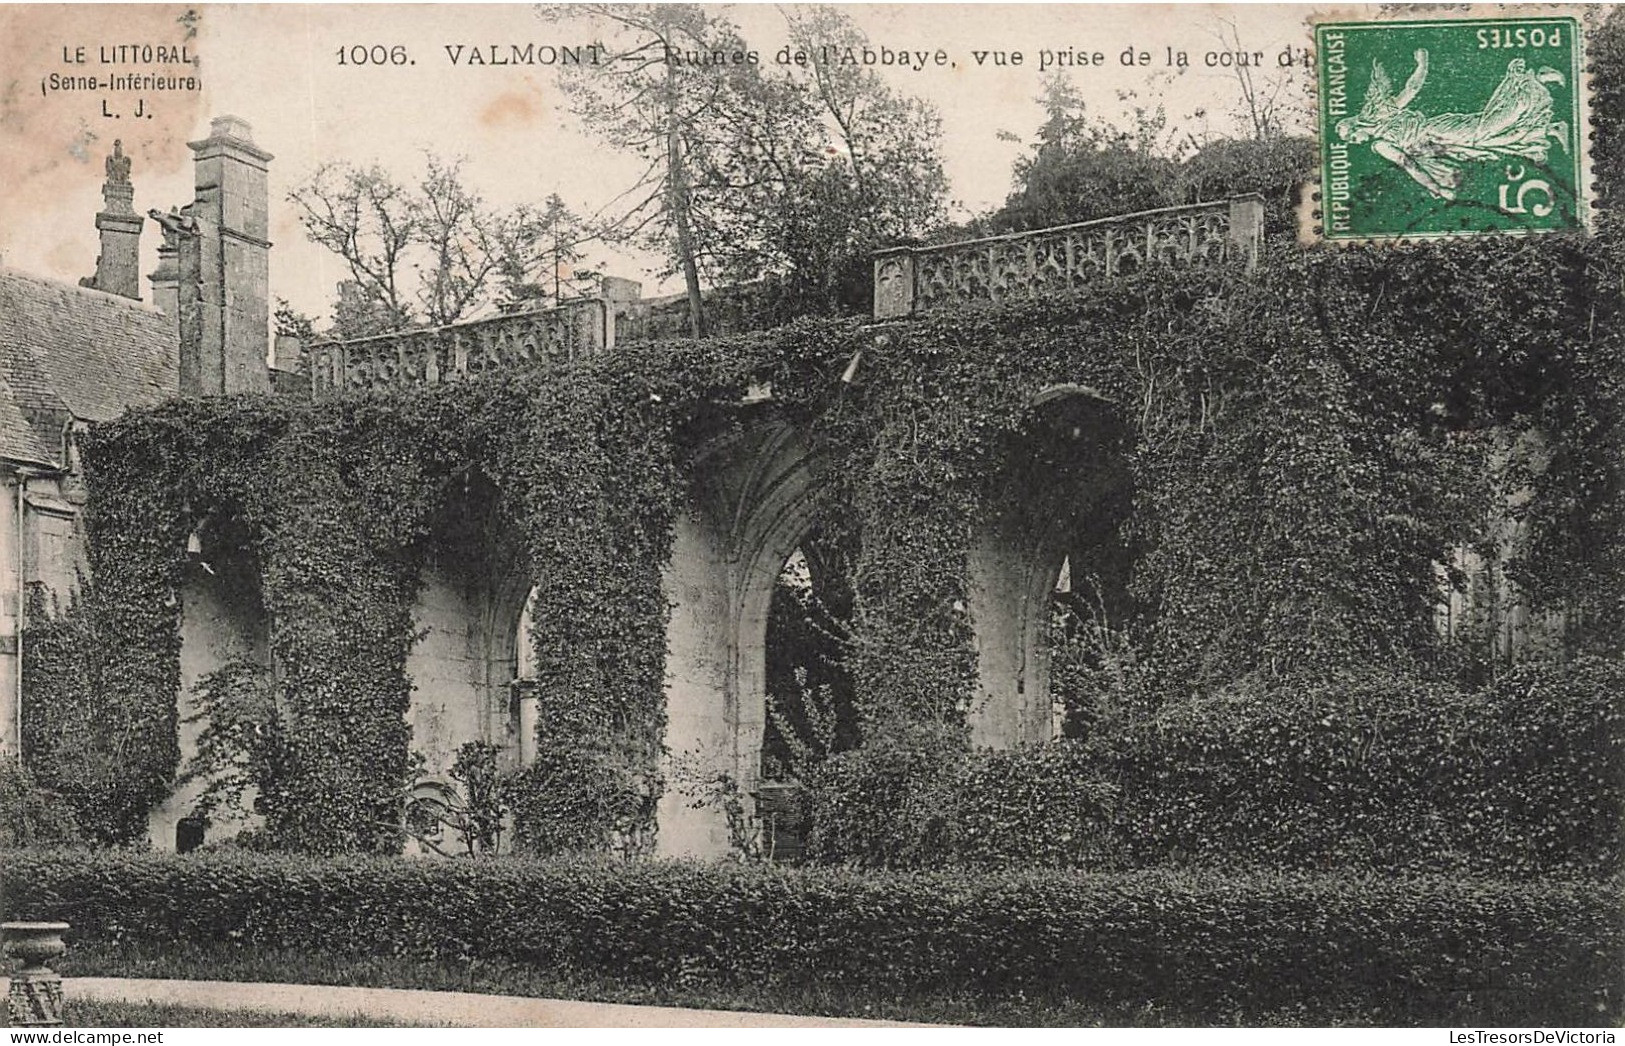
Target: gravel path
(451,1009)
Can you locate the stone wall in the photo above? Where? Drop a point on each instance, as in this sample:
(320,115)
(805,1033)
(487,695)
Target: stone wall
(222,621)
(456,696)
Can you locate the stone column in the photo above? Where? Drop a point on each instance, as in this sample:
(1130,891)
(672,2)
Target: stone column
(176,291)
(894,283)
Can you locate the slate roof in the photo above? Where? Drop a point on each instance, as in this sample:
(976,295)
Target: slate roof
(72,353)
(17,440)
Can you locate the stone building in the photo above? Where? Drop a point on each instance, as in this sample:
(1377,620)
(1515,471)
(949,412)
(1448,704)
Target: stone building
(71,356)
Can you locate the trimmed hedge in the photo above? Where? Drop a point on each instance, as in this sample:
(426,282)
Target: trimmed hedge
(1390,950)
(916,799)
(1524,778)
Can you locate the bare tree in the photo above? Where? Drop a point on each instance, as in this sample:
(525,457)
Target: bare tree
(1267,105)
(369,220)
(431,253)
(467,244)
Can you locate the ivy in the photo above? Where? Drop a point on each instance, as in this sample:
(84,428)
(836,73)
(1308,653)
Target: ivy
(1295,449)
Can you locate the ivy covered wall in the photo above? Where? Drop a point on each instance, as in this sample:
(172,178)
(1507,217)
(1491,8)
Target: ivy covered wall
(1302,444)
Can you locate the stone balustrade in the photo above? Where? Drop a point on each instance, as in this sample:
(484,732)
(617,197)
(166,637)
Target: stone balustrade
(1043,262)
(431,355)
(908,281)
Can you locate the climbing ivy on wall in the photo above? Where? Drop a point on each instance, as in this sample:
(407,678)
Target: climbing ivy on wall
(1302,444)
(101,666)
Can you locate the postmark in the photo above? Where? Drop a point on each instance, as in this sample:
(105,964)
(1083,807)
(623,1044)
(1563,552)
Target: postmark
(1451,127)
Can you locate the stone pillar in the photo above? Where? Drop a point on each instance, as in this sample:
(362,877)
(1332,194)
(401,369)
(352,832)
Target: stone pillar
(234,263)
(1247,226)
(1008,603)
(166,278)
(703,728)
(894,283)
(620,297)
(526,697)
(288,353)
(118,269)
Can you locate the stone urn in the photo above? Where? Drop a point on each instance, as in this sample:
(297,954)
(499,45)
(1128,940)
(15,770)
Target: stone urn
(35,999)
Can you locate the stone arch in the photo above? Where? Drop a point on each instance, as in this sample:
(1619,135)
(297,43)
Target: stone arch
(752,503)
(1061,479)
(223,620)
(472,594)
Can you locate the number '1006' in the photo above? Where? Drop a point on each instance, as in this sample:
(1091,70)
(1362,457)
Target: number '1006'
(377,54)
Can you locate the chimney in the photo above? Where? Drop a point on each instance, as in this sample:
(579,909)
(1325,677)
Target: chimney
(118,270)
(233,264)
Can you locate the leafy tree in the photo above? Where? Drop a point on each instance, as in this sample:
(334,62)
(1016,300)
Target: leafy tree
(357,314)
(289,322)
(756,183)
(1082,167)
(646,99)
(545,267)
(1275,169)
(891,144)
(876,179)
(786,181)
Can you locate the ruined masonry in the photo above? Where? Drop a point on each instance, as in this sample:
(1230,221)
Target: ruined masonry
(207,332)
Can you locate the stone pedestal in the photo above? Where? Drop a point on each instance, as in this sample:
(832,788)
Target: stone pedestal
(35,1000)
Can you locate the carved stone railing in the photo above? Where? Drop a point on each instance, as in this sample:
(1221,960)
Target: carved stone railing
(1044,262)
(431,355)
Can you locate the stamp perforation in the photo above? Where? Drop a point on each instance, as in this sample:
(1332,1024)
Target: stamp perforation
(1420,175)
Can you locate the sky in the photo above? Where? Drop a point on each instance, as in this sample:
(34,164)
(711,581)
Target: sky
(278,67)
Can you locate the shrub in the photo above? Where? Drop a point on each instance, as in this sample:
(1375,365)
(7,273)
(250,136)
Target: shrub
(1419,950)
(1524,778)
(887,804)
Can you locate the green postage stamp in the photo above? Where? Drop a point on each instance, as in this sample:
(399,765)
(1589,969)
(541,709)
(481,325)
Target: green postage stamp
(1451,127)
